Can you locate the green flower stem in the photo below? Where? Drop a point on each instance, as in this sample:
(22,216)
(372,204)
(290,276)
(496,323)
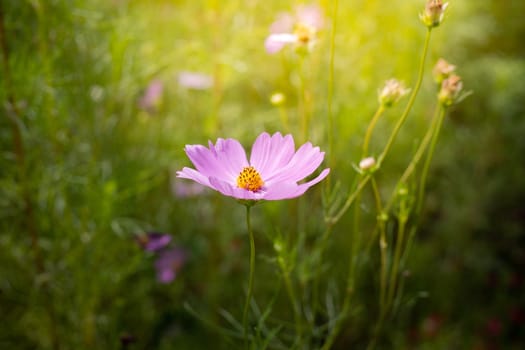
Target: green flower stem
(351,275)
(370,129)
(334,219)
(382,242)
(293,301)
(303,108)
(323,242)
(217,88)
(408,171)
(417,156)
(430,154)
(356,237)
(250,279)
(331,90)
(403,217)
(410,103)
(421,193)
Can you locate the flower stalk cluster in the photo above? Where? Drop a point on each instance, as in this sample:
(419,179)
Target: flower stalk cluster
(276,170)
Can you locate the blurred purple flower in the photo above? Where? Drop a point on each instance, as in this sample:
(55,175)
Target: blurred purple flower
(153,241)
(168,264)
(300,28)
(151,98)
(196,81)
(273,173)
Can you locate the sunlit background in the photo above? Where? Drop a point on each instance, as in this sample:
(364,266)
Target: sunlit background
(98,99)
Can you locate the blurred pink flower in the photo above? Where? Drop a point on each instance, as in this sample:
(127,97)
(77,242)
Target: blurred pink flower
(152,97)
(299,28)
(272,173)
(195,81)
(168,264)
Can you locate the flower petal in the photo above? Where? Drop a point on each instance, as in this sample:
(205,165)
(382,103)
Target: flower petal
(232,156)
(290,189)
(271,153)
(283,24)
(275,42)
(311,15)
(303,163)
(192,174)
(233,191)
(206,161)
(225,160)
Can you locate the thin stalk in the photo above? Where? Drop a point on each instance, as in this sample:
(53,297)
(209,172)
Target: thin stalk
(397,127)
(217,89)
(331,89)
(351,197)
(410,103)
(416,158)
(426,166)
(370,129)
(382,241)
(295,305)
(395,263)
(323,241)
(303,110)
(250,279)
(356,237)
(351,276)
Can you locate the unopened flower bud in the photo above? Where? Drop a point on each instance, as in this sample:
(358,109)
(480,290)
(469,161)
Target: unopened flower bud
(277,99)
(432,16)
(367,163)
(392,92)
(450,90)
(442,70)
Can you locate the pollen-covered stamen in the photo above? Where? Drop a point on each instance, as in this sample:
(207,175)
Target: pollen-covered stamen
(250,179)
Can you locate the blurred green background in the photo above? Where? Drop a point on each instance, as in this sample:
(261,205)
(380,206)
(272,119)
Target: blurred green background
(88,163)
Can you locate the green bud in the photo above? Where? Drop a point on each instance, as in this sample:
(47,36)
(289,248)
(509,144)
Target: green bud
(392,92)
(450,90)
(442,70)
(433,14)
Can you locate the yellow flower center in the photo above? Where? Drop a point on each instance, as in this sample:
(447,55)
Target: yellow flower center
(304,33)
(250,179)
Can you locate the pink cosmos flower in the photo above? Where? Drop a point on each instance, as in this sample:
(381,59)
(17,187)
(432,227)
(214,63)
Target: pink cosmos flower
(299,29)
(272,173)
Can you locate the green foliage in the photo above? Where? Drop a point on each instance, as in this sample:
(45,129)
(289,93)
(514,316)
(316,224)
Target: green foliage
(85,168)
